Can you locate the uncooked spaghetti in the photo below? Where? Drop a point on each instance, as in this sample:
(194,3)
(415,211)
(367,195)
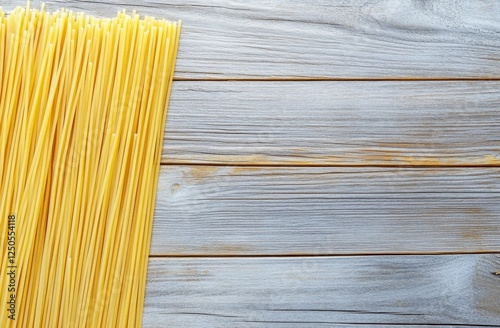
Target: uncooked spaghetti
(83,107)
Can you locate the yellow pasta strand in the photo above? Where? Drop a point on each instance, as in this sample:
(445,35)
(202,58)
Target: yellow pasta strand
(83,104)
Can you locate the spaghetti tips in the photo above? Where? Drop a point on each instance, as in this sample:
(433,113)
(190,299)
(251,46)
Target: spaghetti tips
(83,105)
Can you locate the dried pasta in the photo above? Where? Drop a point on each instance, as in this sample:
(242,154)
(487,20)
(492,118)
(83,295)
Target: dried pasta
(83,105)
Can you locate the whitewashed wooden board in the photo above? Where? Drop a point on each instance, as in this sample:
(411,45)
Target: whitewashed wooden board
(433,123)
(362,39)
(374,291)
(211,210)
(328,138)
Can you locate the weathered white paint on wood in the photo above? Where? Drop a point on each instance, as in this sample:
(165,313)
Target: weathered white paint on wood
(329,39)
(376,291)
(289,211)
(346,123)
(210,210)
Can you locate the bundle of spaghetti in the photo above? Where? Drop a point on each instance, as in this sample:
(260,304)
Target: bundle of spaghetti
(83,107)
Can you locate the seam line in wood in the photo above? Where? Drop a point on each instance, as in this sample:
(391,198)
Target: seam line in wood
(374,323)
(335,79)
(286,165)
(496,252)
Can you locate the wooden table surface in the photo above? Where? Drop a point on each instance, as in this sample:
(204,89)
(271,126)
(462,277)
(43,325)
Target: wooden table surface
(327,163)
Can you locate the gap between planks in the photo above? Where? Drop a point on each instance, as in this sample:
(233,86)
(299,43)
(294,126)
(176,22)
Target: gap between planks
(292,165)
(334,79)
(311,255)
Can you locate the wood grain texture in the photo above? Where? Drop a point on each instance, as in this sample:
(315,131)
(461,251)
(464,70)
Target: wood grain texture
(301,210)
(334,123)
(377,291)
(210,210)
(326,39)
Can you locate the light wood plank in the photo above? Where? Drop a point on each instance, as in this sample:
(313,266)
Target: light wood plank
(378,291)
(328,39)
(210,210)
(339,123)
